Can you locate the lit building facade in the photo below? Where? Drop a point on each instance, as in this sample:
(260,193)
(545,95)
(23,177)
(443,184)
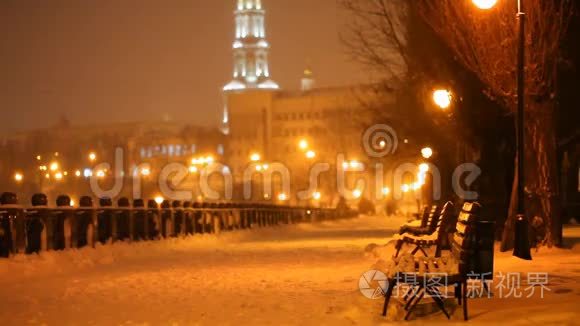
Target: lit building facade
(250,48)
(263,120)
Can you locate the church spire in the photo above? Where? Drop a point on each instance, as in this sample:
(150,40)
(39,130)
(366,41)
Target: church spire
(250,48)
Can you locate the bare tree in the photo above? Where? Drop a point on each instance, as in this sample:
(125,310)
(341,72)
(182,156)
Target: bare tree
(376,36)
(485,43)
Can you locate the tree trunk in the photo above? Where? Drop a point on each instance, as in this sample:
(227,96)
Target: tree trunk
(543,208)
(507,239)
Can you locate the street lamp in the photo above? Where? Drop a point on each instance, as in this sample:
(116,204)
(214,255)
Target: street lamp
(303,144)
(442,98)
(310,154)
(485,4)
(53,166)
(18,177)
(255,157)
(316,195)
(521,244)
(427,152)
(92,157)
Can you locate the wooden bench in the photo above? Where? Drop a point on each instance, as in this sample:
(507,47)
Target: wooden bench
(420,273)
(439,227)
(424,220)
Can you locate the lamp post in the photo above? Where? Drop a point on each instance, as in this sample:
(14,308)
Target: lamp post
(521,244)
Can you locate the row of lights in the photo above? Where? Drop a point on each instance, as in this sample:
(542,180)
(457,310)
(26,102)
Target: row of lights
(305,147)
(54,168)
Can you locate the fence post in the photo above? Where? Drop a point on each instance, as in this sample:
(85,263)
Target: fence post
(35,224)
(8,231)
(189,219)
(140,219)
(153,219)
(167,220)
(104,220)
(215,218)
(62,223)
(84,221)
(124,223)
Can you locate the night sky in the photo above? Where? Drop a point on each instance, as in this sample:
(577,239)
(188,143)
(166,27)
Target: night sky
(96,61)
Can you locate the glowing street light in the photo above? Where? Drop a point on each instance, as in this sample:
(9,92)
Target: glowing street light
(92,156)
(442,98)
(357,193)
(58,176)
(316,195)
(355,164)
(310,154)
(159,200)
(38,157)
(386,191)
(100,174)
(303,144)
(282,197)
(53,166)
(193,169)
(78,173)
(405,188)
(427,152)
(255,157)
(18,177)
(145,172)
(484,4)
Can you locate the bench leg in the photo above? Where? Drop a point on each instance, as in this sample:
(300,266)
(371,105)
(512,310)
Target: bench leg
(436,296)
(458,293)
(409,297)
(392,284)
(398,246)
(464,286)
(419,297)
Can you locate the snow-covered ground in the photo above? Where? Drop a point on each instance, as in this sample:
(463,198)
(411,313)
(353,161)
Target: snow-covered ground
(300,274)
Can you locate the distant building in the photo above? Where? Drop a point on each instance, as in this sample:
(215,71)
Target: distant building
(263,120)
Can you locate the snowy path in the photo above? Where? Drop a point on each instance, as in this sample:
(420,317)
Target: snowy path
(305,274)
(287,275)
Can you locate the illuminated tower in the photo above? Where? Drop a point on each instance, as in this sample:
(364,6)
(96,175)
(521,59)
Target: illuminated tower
(250,49)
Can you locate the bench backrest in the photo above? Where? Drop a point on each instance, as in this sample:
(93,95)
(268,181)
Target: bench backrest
(425,216)
(462,240)
(434,217)
(446,223)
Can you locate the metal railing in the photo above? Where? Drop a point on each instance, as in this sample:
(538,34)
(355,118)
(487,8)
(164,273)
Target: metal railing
(39,227)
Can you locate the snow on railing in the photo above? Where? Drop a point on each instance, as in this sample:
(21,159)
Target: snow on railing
(39,227)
